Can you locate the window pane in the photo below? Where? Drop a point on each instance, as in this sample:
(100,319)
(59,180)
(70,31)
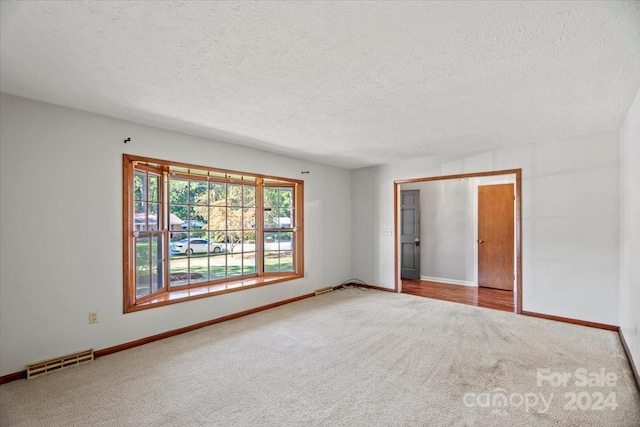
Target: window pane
(217,267)
(157,282)
(157,248)
(285,201)
(286,261)
(140,216)
(271,261)
(197,218)
(175,225)
(179,192)
(234,265)
(217,193)
(142,266)
(249,263)
(142,281)
(236,239)
(154,217)
(285,239)
(278,262)
(249,196)
(139,185)
(249,243)
(234,218)
(271,241)
(234,195)
(178,273)
(199,269)
(154,183)
(271,218)
(142,250)
(217,218)
(270,197)
(179,217)
(198,193)
(249,218)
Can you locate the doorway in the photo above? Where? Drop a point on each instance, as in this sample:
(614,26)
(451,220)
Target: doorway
(491,262)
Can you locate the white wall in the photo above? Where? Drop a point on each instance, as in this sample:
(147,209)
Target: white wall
(630,230)
(570,199)
(61,244)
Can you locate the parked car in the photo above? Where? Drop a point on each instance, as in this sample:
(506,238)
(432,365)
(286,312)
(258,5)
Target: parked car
(195,245)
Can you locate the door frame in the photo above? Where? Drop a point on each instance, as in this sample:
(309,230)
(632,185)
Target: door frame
(518,223)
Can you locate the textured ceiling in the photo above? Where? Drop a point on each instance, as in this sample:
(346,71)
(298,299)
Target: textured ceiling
(345,83)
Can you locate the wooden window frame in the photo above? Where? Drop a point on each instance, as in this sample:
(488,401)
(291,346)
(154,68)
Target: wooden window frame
(265,229)
(167,295)
(160,219)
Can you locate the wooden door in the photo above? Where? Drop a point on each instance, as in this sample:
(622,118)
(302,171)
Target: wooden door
(410,234)
(496,236)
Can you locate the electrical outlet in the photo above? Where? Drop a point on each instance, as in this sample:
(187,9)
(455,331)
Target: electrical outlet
(93,317)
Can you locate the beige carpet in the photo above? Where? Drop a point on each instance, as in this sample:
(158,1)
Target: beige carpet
(347,358)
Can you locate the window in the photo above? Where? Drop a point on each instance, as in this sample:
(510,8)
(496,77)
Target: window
(149,244)
(193,231)
(278,222)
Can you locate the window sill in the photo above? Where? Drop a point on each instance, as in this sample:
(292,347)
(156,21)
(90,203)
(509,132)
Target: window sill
(181,295)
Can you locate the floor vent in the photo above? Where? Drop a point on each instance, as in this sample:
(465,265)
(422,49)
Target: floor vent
(46,366)
(324,290)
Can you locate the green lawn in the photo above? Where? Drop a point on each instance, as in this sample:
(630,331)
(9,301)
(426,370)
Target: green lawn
(208,266)
(212,268)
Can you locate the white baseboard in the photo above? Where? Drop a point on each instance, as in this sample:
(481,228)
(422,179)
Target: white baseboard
(448,281)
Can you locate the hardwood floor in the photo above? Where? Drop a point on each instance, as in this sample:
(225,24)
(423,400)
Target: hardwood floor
(497,299)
